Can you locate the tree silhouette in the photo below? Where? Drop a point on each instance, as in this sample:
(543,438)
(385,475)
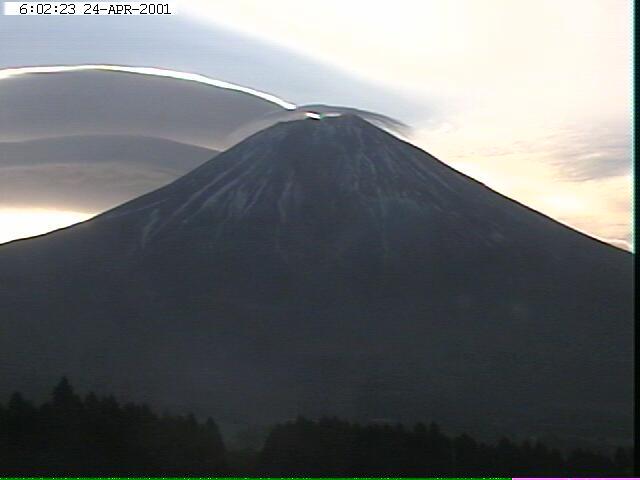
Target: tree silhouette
(331,447)
(69,436)
(624,462)
(98,436)
(63,395)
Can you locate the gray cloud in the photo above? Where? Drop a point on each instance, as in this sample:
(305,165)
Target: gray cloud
(91,173)
(579,154)
(174,42)
(117,103)
(592,153)
(63,185)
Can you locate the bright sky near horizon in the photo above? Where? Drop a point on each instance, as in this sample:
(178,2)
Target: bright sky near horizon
(28,222)
(531,97)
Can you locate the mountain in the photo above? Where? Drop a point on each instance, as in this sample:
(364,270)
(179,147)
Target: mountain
(302,112)
(328,267)
(91,172)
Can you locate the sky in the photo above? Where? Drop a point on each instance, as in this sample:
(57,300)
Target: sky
(533,98)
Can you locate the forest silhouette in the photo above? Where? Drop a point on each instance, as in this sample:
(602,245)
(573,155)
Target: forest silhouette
(98,436)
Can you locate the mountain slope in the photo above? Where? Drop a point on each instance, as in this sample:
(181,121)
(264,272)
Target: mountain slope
(327,267)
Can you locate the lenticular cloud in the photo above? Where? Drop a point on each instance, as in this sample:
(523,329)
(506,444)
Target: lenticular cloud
(88,137)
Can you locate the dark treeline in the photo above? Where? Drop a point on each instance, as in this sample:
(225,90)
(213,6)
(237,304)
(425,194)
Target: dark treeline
(332,447)
(92,436)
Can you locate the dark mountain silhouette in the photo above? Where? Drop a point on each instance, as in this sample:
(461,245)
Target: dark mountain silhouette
(329,268)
